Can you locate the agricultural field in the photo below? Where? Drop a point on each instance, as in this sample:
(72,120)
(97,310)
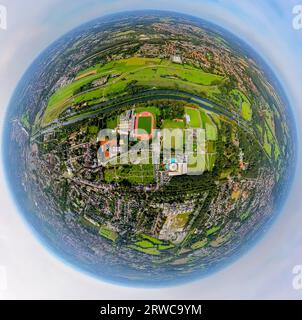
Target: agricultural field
(240,101)
(150,245)
(267,131)
(108,233)
(146,72)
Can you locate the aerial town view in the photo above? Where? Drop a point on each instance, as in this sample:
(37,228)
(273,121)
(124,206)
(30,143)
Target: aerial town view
(149,147)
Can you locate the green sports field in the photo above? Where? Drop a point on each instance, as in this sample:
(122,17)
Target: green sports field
(173,124)
(145,124)
(195,118)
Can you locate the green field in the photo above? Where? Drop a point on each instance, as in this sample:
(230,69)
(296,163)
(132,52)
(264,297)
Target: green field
(204,118)
(267,131)
(108,233)
(211,132)
(145,125)
(210,146)
(210,159)
(213,230)
(152,251)
(154,110)
(173,124)
(241,101)
(152,239)
(142,174)
(181,220)
(195,118)
(246,111)
(147,72)
(150,245)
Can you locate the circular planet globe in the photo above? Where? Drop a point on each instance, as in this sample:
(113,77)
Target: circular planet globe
(149,148)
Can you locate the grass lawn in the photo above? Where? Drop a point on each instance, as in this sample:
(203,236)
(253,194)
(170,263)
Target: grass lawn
(150,245)
(210,159)
(204,118)
(151,251)
(154,110)
(246,111)
(173,124)
(212,230)
(165,247)
(195,118)
(211,132)
(145,124)
(240,100)
(108,233)
(25,121)
(144,244)
(211,147)
(181,220)
(268,149)
(90,95)
(277,151)
(152,239)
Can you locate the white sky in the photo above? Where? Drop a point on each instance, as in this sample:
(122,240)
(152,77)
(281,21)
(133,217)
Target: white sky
(29,271)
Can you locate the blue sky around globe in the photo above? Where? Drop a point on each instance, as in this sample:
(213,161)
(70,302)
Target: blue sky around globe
(266,271)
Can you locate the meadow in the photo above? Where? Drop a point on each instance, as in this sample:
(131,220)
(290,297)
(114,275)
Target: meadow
(146,72)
